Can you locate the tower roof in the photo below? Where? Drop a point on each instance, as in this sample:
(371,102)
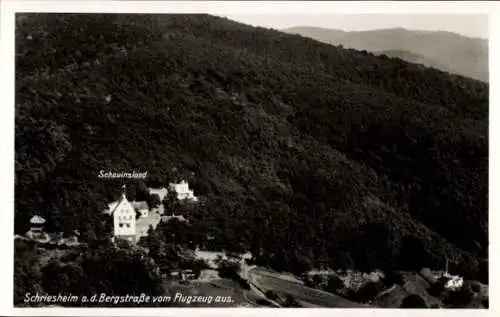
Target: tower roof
(37,220)
(122,199)
(140,205)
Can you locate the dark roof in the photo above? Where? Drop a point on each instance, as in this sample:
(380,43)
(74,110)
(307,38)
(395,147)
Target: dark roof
(139,205)
(123,197)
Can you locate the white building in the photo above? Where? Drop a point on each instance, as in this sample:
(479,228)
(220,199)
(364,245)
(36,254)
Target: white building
(36,231)
(454,282)
(124,219)
(141,207)
(183,191)
(126,224)
(161,192)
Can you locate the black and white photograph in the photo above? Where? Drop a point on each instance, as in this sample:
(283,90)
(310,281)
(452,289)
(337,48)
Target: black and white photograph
(212,160)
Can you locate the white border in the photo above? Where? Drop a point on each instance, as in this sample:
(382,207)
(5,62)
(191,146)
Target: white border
(7,11)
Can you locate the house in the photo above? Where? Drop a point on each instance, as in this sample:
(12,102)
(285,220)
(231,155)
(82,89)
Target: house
(126,224)
(183,191)
(187,275)
(161,192)
(124,219)
(141,207)
(144,223)
(37,223)
(168,218)
(36,229)
(453,282)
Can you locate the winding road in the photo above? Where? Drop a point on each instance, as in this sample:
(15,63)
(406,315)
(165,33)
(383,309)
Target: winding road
(264,281)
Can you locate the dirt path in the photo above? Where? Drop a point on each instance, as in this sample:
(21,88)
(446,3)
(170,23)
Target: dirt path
(264,281)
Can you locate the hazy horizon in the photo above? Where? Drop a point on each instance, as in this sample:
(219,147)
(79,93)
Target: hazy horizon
(470,25)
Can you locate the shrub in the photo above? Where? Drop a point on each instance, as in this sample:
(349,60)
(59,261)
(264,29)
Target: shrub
(459,298)
(413,301)
(334,284)
(475,288)
(289,301)
(437,288)
(392,277)
(271,295)
(228,269)
(366,293)
(486,303)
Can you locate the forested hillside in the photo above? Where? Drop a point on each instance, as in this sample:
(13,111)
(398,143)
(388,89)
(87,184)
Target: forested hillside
(305,153)
(414,59)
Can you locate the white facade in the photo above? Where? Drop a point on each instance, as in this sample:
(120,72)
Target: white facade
(124,219)
(183,191)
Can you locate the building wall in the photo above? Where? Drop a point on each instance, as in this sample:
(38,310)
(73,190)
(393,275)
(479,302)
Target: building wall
(124,220)
(182,190)
(144,212)
(131,239)
(184,195)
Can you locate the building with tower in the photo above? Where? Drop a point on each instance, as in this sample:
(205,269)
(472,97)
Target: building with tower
(124,219)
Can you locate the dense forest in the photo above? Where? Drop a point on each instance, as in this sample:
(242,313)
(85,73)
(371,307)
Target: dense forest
(99,269)
(306,154)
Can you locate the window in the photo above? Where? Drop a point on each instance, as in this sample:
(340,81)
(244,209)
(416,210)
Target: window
(128,225)
(121,225)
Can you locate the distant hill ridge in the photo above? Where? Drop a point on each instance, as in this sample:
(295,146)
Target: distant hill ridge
(447,51)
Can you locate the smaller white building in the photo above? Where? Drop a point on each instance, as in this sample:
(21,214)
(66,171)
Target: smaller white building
(141,207)
(37,223)
(161,192)
(37,229)
(183,191)
(177,217)
(454,282)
